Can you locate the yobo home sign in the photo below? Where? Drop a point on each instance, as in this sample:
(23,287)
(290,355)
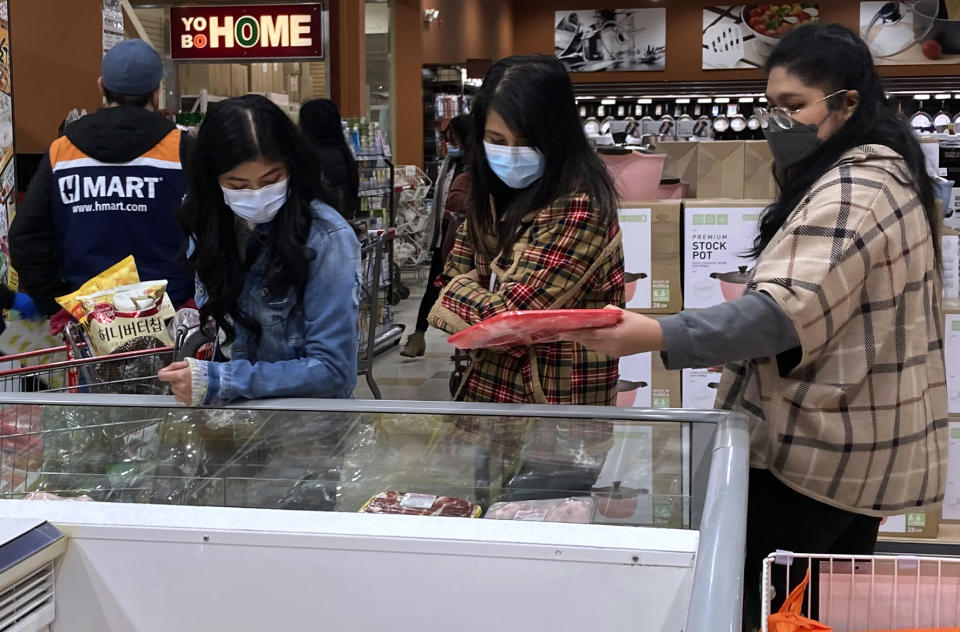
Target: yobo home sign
(275,31)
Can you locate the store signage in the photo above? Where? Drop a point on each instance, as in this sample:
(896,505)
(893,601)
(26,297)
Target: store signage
(275,31)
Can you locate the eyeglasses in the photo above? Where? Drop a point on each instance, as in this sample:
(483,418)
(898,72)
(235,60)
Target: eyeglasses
(784,116)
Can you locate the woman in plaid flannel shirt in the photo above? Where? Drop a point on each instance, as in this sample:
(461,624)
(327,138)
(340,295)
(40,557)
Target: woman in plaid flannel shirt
(835,352)
(541,233)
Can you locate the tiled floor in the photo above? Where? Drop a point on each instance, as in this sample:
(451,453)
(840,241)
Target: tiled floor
(425,378)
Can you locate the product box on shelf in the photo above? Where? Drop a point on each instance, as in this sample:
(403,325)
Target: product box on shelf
(681,162)
(720,167)
(913,524)
(951,498)
(717,236)
(758,182)
(951,352)
(951,263)
(645,383)
(651,250)
(699,388)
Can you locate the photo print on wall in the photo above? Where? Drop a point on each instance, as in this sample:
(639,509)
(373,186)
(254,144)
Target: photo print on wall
(611,39)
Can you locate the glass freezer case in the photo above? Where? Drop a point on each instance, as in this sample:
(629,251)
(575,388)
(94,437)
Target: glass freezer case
(602,471)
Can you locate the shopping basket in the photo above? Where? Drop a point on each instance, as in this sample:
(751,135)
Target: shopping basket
(867,593)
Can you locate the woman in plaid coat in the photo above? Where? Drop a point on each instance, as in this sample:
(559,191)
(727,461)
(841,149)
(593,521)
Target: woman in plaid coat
(835,353)
(541,233)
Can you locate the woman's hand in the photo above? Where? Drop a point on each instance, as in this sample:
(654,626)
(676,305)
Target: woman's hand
(633,334)
(180,378)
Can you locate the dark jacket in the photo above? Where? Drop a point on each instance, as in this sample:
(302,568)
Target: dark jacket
(341,176)
(55,248)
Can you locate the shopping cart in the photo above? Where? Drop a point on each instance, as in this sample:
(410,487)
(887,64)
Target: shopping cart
(858,593)
(375,308)
(73,368)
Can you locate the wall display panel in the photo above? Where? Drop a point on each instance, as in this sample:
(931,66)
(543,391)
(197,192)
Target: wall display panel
(611,39)
(744,35)
(912,33)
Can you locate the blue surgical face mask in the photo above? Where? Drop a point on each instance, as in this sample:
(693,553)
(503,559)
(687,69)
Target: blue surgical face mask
(518,167)
(454,152)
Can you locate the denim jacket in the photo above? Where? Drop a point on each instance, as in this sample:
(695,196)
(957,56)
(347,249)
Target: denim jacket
(306,349)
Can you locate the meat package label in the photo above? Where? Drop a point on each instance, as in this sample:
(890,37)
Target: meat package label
(700,388)
(951,499)
(418,501)
(716,242)
(636,227)
(951,352)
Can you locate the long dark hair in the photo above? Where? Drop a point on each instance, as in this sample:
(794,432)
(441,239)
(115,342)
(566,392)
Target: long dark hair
(236,131)
(321,122)
(461,126)
(534,96)
(833,58)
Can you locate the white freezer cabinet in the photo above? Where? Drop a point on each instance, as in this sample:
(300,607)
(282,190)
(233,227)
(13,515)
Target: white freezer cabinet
(252,516)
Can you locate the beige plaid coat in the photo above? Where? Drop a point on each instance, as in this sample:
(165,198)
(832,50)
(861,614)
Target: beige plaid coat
(860,423)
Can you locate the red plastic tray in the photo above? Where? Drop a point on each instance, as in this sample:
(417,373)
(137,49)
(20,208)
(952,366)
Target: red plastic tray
(525,328)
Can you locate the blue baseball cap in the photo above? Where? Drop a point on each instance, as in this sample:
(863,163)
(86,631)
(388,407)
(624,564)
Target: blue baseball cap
(131,68)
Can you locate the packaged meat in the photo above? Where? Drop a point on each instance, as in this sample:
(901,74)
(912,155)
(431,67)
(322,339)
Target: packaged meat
(409,504)
(571,510)
(528,327)
(49,496)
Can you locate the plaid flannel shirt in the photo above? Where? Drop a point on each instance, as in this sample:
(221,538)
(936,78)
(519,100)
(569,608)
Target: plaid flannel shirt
(567,258)
(860,423)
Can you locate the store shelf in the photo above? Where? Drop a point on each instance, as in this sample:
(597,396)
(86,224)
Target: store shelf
(947,543)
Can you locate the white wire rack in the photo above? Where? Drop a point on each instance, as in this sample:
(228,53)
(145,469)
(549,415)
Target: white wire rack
(412,246)
(868,593)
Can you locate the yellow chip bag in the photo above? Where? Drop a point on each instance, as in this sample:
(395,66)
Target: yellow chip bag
(123,273)
(118,319)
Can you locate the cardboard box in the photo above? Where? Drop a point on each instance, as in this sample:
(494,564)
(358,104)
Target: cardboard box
(951,264)
(651,249)
(914,524)
(645,383)
(649,468)
(758,182)
(239,80)
(720,167)
(951,499)
(699,388)
(717,233)
(681,162)
(951,352)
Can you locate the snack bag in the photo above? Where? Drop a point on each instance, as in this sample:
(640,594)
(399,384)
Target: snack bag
(123,273)
(117,317)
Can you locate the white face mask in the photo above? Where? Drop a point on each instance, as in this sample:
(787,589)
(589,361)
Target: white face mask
(257,206)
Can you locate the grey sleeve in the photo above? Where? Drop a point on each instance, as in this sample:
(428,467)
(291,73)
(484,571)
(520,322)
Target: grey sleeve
(752,326)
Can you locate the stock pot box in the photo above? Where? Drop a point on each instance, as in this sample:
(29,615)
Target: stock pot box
(651,251)
(951,264)
(717,235)
(951,351)
(645,383)
(700,388)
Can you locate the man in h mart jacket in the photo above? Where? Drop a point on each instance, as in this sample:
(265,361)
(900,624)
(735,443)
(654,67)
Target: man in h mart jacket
(107,189)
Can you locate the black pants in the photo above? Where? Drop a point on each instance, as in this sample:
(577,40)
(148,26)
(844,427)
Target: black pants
(432,292)
(780,518)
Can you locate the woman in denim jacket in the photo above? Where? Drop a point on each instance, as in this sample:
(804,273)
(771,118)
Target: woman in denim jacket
(277,266)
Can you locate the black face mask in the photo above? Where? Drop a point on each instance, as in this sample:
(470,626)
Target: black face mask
(790,146)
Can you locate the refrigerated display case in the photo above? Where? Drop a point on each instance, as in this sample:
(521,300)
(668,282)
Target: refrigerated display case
(180,503)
